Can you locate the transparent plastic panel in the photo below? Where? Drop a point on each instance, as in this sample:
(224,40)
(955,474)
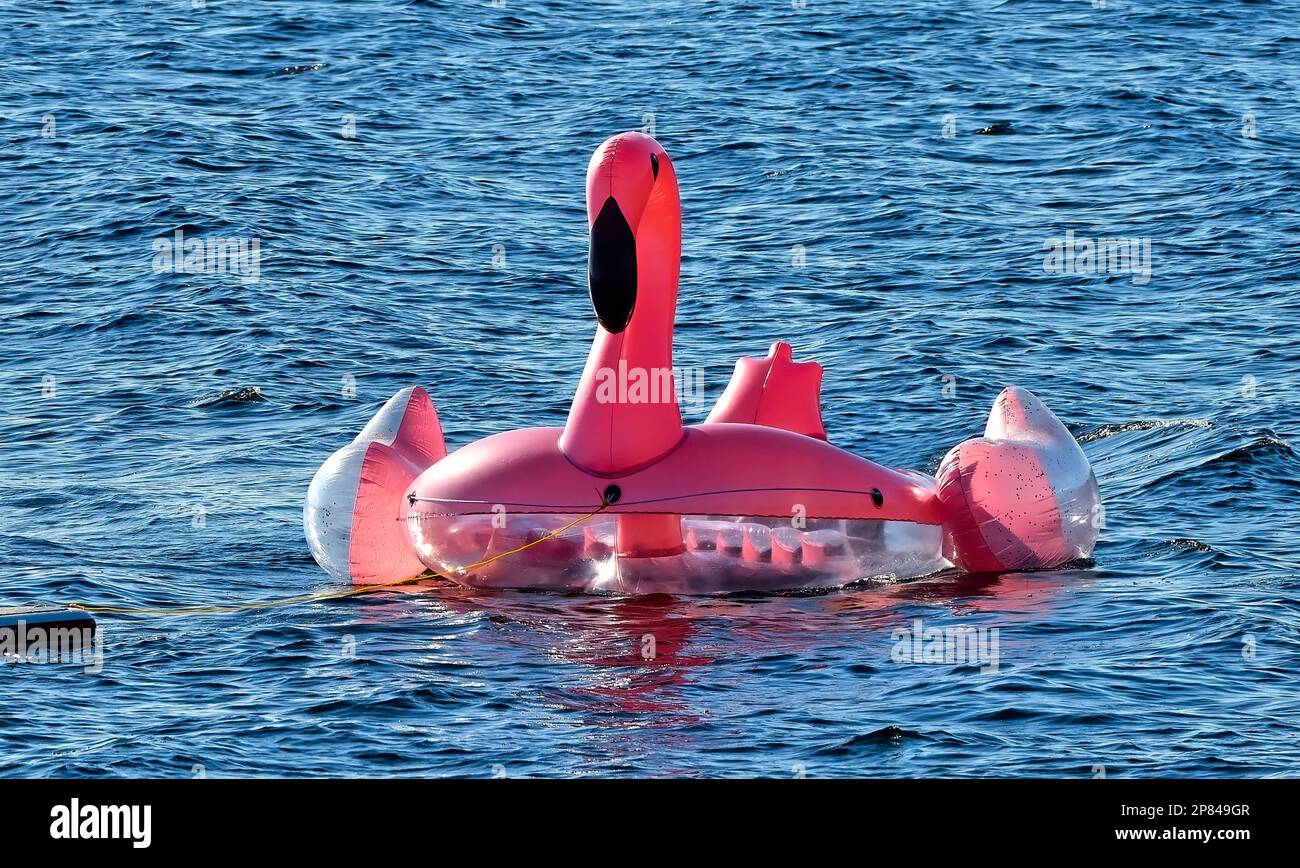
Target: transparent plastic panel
(719,553)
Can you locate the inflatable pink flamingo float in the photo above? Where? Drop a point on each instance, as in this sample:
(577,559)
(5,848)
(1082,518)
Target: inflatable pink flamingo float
(626,499)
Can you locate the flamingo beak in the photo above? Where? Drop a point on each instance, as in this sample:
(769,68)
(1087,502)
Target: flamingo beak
(611,268)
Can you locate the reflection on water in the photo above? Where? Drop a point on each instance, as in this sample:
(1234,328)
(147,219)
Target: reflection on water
(635,654)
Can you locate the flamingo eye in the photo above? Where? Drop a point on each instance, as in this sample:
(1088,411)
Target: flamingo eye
(654,165)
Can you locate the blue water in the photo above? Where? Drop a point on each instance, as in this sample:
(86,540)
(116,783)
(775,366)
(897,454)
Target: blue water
(160,430)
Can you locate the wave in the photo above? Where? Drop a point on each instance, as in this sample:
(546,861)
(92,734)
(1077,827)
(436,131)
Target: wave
(1104,431)
(1266,445)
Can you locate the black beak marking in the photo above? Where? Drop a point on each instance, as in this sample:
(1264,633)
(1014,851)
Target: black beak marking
(654,165)
(611,268)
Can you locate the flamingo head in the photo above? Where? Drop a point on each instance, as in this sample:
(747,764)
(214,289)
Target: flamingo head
(634,215)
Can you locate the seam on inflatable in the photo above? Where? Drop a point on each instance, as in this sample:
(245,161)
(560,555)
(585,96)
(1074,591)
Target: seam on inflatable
(570,510)
(961,472)
(630,471)
(762,390)
(613,155)
(613,415)
(570,507)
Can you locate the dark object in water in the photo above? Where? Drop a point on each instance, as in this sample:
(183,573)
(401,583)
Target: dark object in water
(45,617)
(1000,128)
(229,397)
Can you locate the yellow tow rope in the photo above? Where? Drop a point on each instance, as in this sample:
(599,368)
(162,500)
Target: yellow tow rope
(178,611)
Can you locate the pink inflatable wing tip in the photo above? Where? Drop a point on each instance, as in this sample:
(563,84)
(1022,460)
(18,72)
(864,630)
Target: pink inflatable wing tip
(379,550)
(351,518)
(775,391)
(1023,496)
(420,435)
